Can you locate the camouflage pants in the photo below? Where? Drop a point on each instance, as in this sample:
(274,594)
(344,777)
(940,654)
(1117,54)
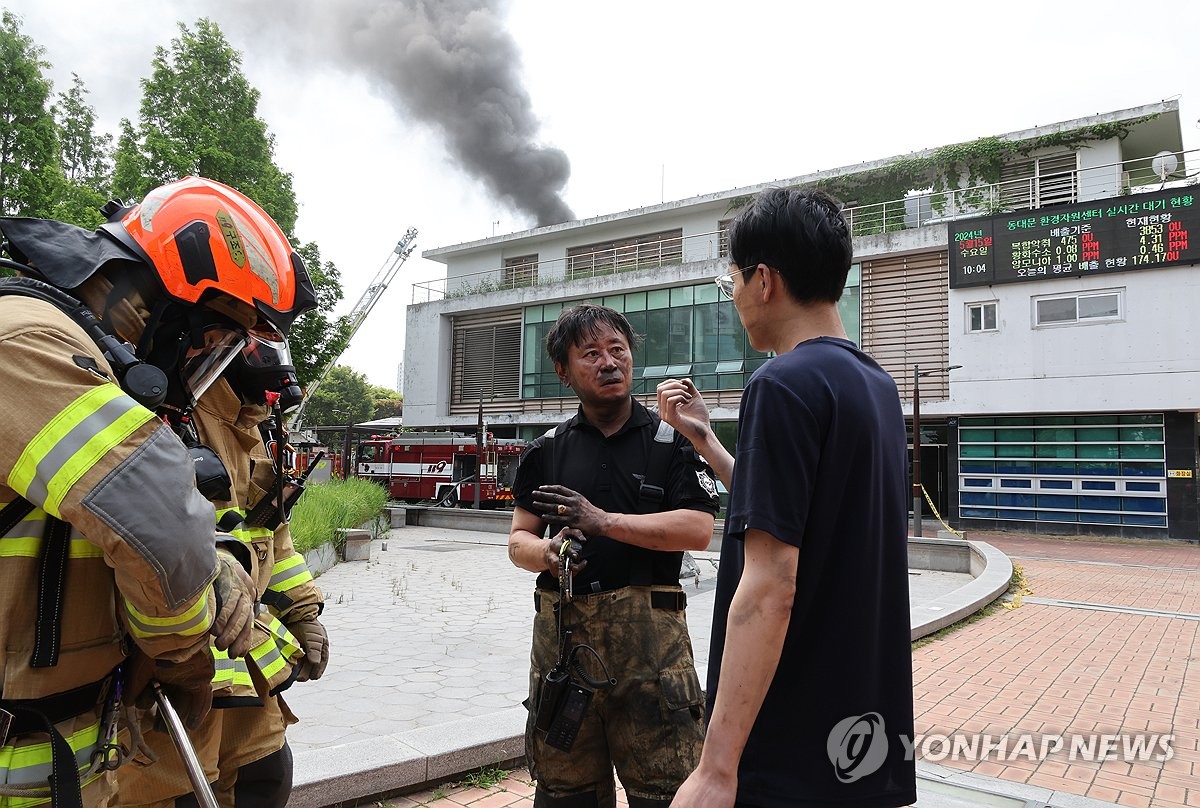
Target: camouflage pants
(650,725)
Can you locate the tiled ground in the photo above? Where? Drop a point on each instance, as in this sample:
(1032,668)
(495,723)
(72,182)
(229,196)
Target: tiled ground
(515,790)
(1049,669)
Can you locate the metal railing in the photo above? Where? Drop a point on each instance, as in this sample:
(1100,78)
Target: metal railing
(919,208)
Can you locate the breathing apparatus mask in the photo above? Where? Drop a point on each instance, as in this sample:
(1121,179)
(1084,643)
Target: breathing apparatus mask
(195,346)
(263,367)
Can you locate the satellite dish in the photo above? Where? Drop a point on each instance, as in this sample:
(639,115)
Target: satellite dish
(1164,164)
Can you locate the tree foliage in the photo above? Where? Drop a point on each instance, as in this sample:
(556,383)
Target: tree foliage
(85,159)
(317,339)
(29,169)
(388,403)
(199,115)
(344,397)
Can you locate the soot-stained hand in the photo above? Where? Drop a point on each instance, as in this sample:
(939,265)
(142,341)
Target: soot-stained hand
(559,505)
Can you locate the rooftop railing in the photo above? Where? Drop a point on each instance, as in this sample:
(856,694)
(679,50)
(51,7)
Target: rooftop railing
(920,208)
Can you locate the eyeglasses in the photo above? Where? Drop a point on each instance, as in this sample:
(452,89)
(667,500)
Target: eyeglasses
(725,284)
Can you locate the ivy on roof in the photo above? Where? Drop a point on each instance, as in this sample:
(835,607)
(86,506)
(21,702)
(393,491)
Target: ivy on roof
(974,163)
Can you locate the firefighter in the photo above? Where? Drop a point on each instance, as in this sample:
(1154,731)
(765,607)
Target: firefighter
(241,743)
(97,492)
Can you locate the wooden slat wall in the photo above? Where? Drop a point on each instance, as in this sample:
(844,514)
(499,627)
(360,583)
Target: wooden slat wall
(486,360)
(713,398)
(904,319)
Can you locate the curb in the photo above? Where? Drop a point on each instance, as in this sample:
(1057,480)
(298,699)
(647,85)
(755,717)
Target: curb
(407,760)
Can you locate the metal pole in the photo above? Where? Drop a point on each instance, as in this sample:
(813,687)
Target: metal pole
(479,451)
(916,465)
(187,752)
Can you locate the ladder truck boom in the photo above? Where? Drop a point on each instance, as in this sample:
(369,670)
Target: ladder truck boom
(358,314)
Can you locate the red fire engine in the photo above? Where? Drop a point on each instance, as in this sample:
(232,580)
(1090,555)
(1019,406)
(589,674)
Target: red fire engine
(441,466)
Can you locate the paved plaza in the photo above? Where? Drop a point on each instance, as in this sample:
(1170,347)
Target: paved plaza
(430,645)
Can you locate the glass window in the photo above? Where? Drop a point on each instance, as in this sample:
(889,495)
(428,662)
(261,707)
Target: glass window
(1076,308)
(635,301)
(1098,441)
(658,299)
(1143,451)
(850,309)
(981,317)
(1096,306)
(682,296)
(978,482)
(1056,310)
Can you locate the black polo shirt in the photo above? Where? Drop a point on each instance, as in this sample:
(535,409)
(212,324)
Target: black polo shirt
(609,472)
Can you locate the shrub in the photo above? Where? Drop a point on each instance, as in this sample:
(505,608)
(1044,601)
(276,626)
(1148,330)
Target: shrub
(325,507)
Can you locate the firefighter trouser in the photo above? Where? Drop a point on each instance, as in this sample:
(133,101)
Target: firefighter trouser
(227,741)
(650,725)
(265,783)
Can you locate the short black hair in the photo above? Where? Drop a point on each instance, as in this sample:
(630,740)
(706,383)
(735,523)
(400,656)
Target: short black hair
(802,234)
(579,322)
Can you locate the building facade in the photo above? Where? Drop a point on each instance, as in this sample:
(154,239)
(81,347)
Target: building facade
(1055,267)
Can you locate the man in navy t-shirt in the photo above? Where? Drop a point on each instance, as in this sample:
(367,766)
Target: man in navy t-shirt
(810,672)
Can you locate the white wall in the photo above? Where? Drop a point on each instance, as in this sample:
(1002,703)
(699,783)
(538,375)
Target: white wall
(1149,360)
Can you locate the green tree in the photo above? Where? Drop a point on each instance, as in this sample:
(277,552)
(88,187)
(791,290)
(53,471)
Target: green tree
(388,403)
(199,115)
(84,157)
(29,172)
(344,397)
(317,339)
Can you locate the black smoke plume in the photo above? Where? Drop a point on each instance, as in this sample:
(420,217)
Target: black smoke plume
(449,63)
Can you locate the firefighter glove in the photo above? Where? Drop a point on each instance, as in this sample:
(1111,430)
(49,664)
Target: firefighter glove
(315,642)
(188,684)
(235,594)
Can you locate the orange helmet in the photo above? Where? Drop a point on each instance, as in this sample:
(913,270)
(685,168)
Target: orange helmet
(204,239)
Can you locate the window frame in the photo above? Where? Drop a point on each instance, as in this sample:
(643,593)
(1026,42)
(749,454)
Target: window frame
(1119,294)
(983,304)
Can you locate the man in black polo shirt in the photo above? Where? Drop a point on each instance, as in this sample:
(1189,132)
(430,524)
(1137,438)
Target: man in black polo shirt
(810,670)
(635,495)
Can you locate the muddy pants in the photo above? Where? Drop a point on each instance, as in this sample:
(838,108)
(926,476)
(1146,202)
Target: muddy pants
(650,725)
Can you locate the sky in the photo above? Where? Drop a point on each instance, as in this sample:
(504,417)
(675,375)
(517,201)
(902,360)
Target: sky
(648,101)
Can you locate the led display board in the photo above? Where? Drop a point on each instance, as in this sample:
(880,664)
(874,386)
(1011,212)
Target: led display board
(1119,234)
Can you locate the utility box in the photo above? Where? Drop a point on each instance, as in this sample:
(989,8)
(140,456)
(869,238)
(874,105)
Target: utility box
(356,544)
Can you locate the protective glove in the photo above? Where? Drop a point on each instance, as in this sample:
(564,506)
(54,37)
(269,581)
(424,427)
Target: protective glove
(315,642)
(236,594)
(188,684)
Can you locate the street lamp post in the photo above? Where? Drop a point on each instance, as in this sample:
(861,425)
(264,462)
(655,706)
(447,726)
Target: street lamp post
(916,462)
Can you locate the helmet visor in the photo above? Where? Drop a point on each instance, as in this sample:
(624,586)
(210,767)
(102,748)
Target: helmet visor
(201,366)
(266,348)
(265,366)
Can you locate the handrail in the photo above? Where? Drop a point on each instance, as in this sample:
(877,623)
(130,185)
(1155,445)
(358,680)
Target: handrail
(918,209)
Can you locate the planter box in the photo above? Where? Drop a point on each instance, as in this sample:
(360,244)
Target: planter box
(356,544)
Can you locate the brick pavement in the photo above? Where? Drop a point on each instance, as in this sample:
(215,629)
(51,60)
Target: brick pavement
(1056,669)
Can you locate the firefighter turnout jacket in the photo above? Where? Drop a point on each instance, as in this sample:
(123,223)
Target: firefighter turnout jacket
(136,552)
(249,717)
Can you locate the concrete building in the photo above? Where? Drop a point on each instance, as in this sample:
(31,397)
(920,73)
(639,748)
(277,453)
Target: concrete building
(1055,265)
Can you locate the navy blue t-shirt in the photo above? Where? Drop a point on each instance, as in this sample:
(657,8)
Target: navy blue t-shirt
(822,465)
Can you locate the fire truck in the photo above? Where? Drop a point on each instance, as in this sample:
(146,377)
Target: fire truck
(442,467)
